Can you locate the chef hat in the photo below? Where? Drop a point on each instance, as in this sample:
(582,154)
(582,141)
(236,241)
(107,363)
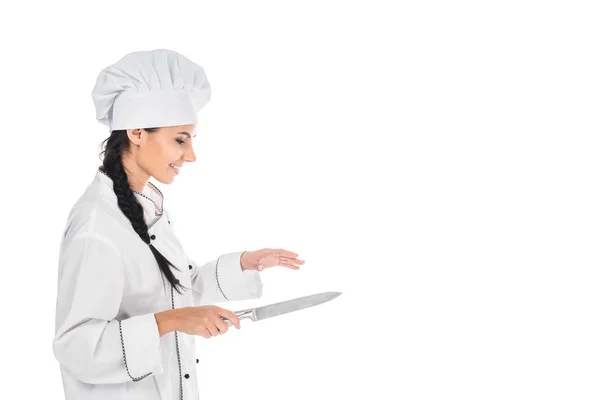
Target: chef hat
(152,88)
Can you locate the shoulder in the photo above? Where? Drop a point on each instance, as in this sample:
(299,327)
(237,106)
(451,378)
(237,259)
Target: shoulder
(96,215)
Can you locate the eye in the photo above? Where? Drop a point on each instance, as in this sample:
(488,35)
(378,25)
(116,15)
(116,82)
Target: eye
(180,141)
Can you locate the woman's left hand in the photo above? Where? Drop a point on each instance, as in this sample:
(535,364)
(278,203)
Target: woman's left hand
(265,258)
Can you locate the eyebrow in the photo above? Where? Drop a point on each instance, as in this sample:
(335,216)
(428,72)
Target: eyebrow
(187,134)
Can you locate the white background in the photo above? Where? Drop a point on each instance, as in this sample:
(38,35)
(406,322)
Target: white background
(437,162)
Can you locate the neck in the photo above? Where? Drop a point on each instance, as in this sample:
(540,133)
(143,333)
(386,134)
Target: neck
(136,176)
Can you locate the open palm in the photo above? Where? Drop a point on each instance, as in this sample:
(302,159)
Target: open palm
(266,258)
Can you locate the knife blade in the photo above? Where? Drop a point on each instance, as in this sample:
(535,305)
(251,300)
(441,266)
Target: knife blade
(284,307)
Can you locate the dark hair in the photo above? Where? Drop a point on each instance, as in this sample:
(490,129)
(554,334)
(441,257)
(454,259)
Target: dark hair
(112,165)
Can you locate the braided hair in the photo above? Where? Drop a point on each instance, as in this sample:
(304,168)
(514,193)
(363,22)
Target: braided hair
(112,165)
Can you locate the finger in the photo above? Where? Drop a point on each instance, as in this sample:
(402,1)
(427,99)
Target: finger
(212,328)
(230,315)
(286,253)
(205,333)
(221,325)
(288,265)
(291,260)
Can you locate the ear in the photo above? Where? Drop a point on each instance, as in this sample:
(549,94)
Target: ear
(135,135)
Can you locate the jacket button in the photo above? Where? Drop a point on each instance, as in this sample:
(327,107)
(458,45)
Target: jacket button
(190,267)
(187,376)
(152,237)
(196,361)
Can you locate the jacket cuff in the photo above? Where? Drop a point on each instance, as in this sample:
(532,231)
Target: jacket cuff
(140,342)
(233,282)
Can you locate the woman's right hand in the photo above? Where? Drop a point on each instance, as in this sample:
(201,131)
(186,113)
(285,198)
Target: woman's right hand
(204,321)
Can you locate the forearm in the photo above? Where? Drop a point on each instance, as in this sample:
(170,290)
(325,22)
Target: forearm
(166,321)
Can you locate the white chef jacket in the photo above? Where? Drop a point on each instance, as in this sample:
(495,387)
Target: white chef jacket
(109,288)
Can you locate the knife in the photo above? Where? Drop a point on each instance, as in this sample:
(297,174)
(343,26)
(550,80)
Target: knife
(284,307)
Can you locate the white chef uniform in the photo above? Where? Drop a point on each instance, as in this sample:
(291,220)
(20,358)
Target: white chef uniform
(109,288)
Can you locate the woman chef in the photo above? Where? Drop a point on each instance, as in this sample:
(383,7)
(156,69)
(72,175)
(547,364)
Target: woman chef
(122,331)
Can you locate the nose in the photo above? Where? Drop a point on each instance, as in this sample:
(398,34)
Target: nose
(188,154)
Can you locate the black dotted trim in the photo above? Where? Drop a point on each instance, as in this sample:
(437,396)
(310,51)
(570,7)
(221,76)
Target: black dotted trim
(125,358)
(155,221)
(217,277)
(177,347)
(156,212)
(162,197)
(143,195)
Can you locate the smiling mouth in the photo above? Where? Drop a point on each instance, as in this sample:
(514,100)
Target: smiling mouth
(175,168)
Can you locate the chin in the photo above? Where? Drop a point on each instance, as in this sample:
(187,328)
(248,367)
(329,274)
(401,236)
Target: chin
(165,179)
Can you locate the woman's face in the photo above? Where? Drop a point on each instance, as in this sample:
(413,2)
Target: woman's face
(156,152)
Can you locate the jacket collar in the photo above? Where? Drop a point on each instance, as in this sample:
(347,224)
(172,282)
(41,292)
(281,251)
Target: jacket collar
(151,198)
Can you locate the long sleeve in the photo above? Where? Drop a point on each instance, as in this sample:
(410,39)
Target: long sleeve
(223,280)
(90,343)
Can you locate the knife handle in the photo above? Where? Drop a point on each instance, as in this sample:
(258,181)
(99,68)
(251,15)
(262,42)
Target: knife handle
(249,313)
